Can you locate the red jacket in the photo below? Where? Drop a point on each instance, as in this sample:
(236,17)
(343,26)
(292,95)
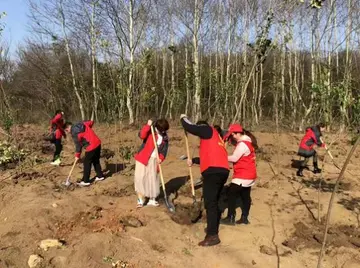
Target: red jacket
(57,126)
(213,152)
(147,147)
(84,136)
(245,167)
(311,138)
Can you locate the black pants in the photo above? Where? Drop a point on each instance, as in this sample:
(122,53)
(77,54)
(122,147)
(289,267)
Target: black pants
(306,160)
(58,149)
(244,193)
(212,187)
(92,158)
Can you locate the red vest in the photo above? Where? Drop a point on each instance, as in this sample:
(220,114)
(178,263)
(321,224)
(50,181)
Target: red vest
(245,167)
(213,152)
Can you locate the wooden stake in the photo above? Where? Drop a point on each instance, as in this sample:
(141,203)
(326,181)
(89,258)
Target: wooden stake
(341,175)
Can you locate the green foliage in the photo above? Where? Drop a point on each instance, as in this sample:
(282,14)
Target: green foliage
(263,43)
(7,122)
(10,154)
(127,152)
(314,3)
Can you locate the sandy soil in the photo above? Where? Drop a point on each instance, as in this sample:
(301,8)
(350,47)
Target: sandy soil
(94,222)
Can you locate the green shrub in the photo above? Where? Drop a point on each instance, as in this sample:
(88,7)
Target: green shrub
(10,154)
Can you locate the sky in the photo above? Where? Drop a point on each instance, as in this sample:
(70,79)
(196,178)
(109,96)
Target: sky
(16,22)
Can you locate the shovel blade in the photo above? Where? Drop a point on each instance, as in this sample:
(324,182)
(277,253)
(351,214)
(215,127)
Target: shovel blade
(170,206)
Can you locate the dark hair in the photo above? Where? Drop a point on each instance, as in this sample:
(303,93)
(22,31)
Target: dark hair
(251,136)
(219,130)
(58,112)
(67,124)
(321,125)
(202,122)
(162,125)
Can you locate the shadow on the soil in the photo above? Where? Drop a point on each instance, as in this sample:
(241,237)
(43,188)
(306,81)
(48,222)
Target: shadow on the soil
(297,163)
(325,186)
(113,168)
(173,186)
(353,205)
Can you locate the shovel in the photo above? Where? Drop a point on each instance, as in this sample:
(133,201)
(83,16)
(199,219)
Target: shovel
(196,211)
(67,183)
(169,204)
(190,170)
(332,158)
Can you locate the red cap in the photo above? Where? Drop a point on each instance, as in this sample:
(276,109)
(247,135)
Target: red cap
(234,128)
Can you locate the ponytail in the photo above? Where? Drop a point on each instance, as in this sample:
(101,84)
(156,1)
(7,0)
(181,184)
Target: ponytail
(252,137)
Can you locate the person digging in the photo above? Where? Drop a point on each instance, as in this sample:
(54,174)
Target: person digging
(84,136)
(306,149)
(214,168)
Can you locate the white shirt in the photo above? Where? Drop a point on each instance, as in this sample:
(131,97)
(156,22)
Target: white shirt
(158,142)
(241,150)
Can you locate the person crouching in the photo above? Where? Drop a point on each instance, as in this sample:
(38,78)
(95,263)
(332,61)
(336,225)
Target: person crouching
(243,159)
(306,149)
(146,164)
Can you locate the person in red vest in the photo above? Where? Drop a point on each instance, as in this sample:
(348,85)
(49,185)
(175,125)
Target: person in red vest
(84,136)
(243,159)
(306,149)
(214,167)
(146,177)
(56,134)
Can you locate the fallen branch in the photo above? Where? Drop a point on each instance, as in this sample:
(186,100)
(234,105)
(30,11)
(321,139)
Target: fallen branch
(341,175)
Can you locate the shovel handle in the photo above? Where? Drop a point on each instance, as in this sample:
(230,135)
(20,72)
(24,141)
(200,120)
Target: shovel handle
(327,149)
(190,170)
(72,168)
(158,158)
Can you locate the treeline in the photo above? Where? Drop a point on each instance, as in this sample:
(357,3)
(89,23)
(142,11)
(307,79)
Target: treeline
(233,60)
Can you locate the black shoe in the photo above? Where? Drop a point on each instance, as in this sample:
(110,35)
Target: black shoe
(229,220)
(317,170)
(243,220)
(299,173)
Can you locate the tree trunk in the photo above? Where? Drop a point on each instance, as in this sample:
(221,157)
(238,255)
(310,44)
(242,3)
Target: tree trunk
(130,88)
(187,80)
(93,66)
(347,73)
(197,95)
(163,82)
(67,46)
(172,93)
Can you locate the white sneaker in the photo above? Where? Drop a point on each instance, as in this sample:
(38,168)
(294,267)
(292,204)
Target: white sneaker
(140,203)
(99,179)
(57,162)
(82,183)
(152,202)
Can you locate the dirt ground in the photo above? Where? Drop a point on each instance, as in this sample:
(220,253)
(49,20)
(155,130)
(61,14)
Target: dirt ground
(100,225)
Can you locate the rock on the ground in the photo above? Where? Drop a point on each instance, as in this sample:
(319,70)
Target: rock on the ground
(50,243)
(120,264)
(131,221)
(267,250)
(34,261)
